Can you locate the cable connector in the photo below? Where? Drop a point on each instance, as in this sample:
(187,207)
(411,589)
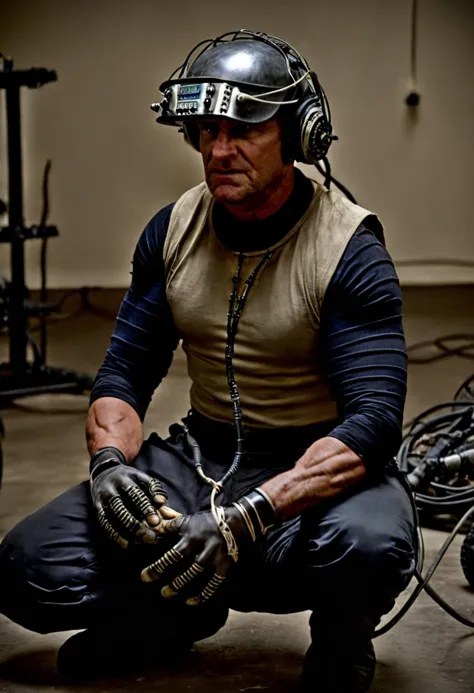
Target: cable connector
(457,461)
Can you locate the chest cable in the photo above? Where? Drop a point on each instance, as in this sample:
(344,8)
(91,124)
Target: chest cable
(236,306)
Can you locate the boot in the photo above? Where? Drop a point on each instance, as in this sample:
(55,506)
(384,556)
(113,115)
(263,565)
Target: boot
(96,653)
(338,670)
(125,644)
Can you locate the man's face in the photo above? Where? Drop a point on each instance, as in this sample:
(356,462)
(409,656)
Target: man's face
(242,162)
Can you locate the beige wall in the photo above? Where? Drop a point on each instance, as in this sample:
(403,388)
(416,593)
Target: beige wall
(113,167)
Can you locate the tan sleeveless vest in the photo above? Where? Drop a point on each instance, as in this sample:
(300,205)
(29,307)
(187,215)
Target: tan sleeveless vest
(277,366)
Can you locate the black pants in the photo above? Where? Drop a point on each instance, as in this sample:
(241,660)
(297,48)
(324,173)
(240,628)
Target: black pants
(346,560)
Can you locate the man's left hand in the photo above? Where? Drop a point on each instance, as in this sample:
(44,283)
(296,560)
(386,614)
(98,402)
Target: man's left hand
(207,546)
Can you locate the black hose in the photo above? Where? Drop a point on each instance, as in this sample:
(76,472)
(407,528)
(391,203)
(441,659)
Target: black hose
(423,582)
(441,417)
(329,178)
(442,349)
(236,306)
(449,430)
(467,387)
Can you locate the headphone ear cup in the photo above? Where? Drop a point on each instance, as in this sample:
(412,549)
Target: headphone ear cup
(191,135)
(312,134)
(292,142)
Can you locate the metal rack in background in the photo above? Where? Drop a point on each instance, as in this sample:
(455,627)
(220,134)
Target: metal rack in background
(20,377)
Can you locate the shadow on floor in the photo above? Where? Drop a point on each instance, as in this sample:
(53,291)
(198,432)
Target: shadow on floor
(390,677)
(211,671)
(37,668)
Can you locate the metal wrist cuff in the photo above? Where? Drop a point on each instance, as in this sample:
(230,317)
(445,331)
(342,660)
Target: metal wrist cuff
(246,518)
(267,498)
(259,511)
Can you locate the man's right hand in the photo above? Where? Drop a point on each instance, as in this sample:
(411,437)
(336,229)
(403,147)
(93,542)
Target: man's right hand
(130,504)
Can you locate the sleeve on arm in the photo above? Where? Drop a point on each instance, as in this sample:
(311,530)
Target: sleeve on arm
(145,337)
(363,348)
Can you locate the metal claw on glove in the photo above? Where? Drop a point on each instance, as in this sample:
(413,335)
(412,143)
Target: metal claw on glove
(181,581)
(209,543)
(209,590)
(130,505)
(201,549)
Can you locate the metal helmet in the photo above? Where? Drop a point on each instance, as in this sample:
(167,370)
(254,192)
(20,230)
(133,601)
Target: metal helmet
(248,77)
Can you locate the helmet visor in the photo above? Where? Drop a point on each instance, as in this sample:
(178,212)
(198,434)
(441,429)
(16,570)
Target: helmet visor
(192,98)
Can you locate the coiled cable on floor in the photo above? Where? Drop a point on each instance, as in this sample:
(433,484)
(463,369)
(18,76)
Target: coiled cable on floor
(437,460)
(437,454)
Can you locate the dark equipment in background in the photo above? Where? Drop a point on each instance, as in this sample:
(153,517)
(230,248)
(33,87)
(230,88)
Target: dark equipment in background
(437,456)
(19,377)
(437,460)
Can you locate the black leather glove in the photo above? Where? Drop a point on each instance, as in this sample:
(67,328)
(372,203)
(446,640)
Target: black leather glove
(211,546)
(130,505)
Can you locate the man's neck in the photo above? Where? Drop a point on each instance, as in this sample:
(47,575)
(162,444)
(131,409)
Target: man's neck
(251,236)
(273,200)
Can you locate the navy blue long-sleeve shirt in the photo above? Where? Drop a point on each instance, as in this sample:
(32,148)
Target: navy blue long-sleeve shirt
(361,336)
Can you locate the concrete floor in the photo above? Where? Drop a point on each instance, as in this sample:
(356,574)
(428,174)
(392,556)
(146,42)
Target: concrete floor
(45,453)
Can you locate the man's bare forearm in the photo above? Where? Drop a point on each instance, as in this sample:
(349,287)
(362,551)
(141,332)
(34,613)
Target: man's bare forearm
(326,469)
(112,421)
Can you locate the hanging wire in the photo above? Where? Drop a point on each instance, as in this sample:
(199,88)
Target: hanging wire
(414,42)
(236,306)
(324,169)
(243,96)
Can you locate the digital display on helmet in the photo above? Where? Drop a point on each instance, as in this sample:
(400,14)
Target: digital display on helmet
(189,91)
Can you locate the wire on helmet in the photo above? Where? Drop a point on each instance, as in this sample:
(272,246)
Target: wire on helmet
(250,97)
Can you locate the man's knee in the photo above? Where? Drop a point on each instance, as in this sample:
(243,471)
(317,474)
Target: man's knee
(35,591)
(378,553)
(371,553)
(382,533)
(16,599)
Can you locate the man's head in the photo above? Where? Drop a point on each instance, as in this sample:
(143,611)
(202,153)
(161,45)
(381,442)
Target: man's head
(250,104)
